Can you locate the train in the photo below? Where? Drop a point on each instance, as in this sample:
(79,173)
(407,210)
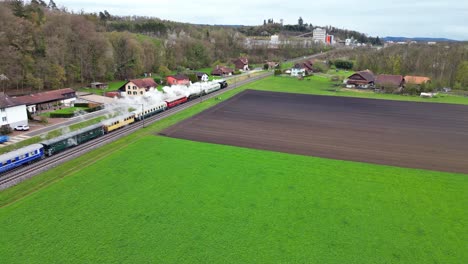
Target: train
(47,148)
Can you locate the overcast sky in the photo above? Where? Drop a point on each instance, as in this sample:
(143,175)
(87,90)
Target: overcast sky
(407,18)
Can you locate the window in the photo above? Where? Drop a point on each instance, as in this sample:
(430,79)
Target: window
(135,93)
(129,92)
(134,88)
(141,92)
(2,109)
(4,119)
(129,87)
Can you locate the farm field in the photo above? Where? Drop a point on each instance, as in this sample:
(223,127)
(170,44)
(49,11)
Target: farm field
(148,198)
(406,134)
(189,205)
(321,85)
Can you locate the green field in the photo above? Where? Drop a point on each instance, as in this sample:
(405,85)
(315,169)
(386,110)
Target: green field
(67,110)
(112,87)
(151,199)
(321,85)
(187,204)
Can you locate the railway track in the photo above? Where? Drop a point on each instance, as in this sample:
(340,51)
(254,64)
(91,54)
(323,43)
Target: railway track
(22,173)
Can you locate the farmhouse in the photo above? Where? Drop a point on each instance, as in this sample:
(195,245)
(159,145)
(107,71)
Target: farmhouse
(179,79)
(12,112)
(242,64)
(48,100)
(362,79)
(201,76)
(222,71)
(137,87)
(98,85)
(383,81)
(417,80)
(298,70)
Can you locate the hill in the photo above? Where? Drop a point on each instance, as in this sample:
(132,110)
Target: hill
(418,39)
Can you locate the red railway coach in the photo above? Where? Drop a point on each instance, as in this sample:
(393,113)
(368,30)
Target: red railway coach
(176,101)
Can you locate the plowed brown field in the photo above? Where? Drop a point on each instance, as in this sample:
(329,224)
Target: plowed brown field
(406,134)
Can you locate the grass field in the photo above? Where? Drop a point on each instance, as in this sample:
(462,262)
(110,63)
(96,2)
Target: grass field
(154,199)
(112,87)
(188,205)
(321,85)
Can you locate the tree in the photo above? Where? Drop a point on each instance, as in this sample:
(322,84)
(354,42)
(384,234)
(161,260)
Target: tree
(164,71)
(193,77)
(18,8)
(300,22)
(52,5)
(462,74)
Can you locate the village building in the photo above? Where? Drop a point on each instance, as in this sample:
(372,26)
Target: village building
(49,100)
(201,76)
(319,35)
(178,79)
(137,87)
(222,71)
(242,64)
(295,72)
(416,80)
(387,81)
(12,112)
(303,68)
(362,79)
(98,85)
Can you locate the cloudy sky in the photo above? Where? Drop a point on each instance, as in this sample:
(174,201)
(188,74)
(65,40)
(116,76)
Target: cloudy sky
(408,18)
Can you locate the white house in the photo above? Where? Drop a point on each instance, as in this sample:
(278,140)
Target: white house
(12,113)
(137,87)
(201,76)
(298,72)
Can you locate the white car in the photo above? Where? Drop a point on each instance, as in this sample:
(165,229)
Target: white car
(22,128)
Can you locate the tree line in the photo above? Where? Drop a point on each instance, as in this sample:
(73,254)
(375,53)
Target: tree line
(445,63)
(43,47)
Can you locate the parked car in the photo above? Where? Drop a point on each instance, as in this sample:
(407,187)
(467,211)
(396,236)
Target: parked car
(22,128)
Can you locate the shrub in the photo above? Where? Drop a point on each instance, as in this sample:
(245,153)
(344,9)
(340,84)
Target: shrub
(61,115)
(5,129)
(343,64)
(44,120)
(320,67)
(277,72)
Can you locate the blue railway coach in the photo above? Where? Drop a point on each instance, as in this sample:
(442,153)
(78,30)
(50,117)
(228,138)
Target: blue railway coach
(21,156)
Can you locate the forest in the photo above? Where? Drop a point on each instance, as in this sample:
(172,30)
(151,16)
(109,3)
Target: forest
(44,47)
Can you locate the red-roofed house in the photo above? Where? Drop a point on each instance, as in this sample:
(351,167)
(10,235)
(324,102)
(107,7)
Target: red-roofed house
(418,80)
(48,100)
(389,81)
(242,64)
(222,71)
(179,79)
(137,87)
(362,79)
